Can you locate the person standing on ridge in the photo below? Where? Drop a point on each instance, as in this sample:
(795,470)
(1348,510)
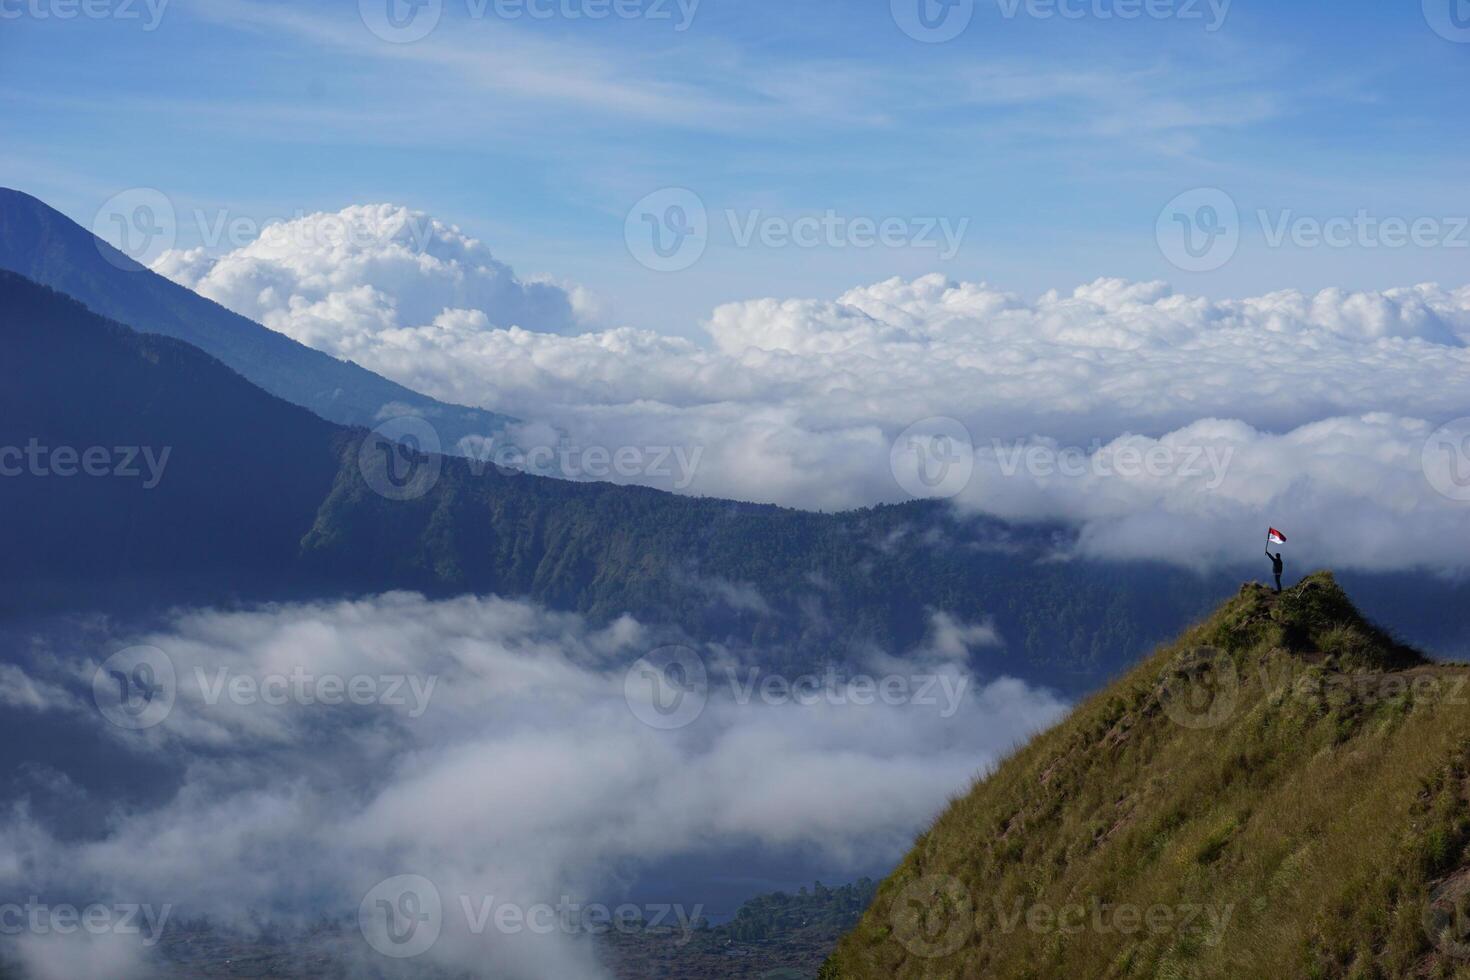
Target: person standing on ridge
(1274,536)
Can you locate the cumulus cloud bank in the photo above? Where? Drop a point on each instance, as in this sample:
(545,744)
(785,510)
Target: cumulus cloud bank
(799,401)
(349,281)
(531,770)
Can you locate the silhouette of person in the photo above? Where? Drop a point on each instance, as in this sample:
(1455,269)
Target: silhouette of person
(1276,567)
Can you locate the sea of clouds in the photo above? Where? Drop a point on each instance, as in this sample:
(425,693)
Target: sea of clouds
(516,760)
(519,765)
(1320,408)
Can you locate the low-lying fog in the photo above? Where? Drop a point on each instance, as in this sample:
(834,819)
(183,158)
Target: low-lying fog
(485,758)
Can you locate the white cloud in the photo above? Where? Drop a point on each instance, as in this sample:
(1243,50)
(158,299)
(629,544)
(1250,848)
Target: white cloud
(1353,492)
(798,401)
(528,778)
(347,281)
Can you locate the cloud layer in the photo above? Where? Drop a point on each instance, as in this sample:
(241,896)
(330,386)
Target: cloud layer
(528,771)
(1326,400)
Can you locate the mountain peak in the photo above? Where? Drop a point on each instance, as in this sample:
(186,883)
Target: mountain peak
(1314,620)
(1277,793)
(43,245)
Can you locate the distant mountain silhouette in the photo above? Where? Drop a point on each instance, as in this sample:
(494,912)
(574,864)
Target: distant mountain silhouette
(259,499)
(45,246)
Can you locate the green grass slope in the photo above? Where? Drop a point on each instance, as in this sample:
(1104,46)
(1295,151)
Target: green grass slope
(1280,793)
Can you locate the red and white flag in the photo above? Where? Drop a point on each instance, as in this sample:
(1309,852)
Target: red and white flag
(1275,537)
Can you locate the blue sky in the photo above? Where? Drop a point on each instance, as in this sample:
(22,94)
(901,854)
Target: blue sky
(1058,139)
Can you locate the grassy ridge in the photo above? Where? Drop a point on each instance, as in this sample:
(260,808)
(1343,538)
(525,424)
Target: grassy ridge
(1282,792)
